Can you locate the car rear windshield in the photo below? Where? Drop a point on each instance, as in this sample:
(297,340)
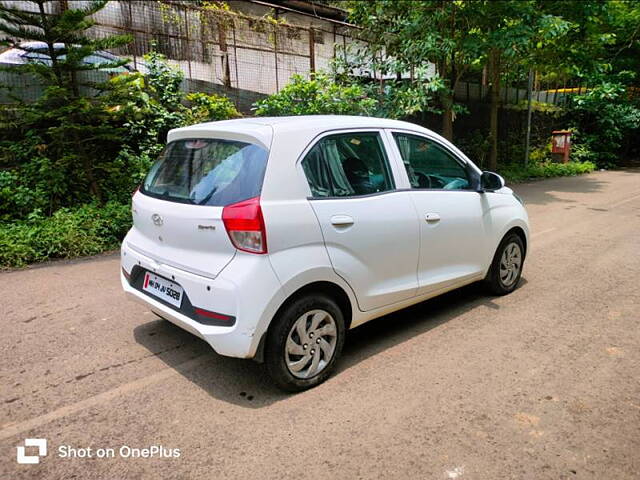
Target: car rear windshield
(210,172)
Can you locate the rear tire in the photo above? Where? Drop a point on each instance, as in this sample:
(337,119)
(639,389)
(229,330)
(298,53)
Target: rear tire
(304,342)
(506,267)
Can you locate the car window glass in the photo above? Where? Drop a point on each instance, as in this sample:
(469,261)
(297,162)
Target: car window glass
(212,172)
(348,164)
(429,165)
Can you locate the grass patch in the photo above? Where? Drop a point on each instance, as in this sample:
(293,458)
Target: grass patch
(68,233)
(518,173)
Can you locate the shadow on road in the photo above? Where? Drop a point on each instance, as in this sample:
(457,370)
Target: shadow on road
(245,383)
(543,193)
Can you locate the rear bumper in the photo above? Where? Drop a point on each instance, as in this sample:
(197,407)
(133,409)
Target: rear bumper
(246,289)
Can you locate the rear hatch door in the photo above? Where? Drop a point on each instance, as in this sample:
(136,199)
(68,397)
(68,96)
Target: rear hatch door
(177,214)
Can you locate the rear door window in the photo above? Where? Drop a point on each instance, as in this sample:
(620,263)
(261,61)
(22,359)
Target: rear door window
(210,172)
(349,164)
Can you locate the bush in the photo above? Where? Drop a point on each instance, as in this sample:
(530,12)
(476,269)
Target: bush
(68,233)
(323,95)
(61,152)
(316,96)
(540,155)
(209,108)
(518,173)
(52,184)
(148,106)
(604,120)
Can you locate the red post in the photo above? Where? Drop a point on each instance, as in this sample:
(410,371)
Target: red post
(561,145)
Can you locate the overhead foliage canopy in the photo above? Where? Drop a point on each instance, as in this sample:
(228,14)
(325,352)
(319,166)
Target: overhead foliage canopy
(574,40)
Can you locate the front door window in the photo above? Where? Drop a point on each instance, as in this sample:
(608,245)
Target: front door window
(429,165)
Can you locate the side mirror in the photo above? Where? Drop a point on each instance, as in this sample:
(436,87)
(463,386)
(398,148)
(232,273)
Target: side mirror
(490,182)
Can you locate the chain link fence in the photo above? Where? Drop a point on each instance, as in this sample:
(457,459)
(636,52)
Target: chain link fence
(219,50)
(243,56)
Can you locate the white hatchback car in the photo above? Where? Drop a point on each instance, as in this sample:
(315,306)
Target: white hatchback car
(270,237)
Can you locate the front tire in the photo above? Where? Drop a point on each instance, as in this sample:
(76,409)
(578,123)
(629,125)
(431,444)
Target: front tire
(506,268)
(304,342)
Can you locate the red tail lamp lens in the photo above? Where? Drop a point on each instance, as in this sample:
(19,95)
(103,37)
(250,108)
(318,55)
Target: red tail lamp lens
(245,225)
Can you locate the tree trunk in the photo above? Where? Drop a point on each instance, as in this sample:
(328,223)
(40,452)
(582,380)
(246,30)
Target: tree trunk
(86,157)
(50,41)
(447,116)
(494,71)
(94,188)
(447,119)
(446,100)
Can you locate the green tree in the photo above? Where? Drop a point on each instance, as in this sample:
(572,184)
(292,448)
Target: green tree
(70,134)
(316,96)
(602,38)
(459,37)
(509,32)
(403,36)
(605,121)
(600,50)
(64,33)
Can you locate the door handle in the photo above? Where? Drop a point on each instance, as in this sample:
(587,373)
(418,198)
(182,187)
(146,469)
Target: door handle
(432,217)
(341,220)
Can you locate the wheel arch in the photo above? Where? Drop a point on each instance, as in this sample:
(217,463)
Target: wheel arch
(521,233)
(328,288)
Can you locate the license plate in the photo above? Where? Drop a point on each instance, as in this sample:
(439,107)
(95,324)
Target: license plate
(162,288)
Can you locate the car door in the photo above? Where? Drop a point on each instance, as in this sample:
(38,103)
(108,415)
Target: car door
(369,227)
(450,212)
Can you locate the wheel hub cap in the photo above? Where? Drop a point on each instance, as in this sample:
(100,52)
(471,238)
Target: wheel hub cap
(310,344)
(510,264)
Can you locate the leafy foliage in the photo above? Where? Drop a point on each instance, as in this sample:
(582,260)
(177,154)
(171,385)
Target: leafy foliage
(69,162)
(519,173)
(65,141)
(322,94)
(402,38)
(108,142)
(208,108)
(65,39)
(68,233)
(581,41)
(316,96)
(604,119)
(147,107)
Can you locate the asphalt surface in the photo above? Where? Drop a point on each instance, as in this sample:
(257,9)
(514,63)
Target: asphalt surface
(543,383)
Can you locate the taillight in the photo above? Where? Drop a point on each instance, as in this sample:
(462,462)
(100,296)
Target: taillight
(245,225)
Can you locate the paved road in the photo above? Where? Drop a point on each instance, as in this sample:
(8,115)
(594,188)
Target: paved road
(544,383)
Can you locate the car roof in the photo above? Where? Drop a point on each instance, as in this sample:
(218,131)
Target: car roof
(263,129)
(319,121)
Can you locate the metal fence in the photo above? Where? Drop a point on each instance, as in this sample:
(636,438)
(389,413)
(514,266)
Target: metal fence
(219,50)
(468,92)
(244,57)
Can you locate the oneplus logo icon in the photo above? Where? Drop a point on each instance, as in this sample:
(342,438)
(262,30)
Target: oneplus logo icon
(41,443)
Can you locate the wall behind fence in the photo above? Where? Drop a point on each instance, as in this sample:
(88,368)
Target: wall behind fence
(221,51)
(242,55)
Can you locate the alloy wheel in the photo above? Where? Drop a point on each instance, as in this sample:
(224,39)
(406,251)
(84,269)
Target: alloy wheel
(311,344)
(510,264)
